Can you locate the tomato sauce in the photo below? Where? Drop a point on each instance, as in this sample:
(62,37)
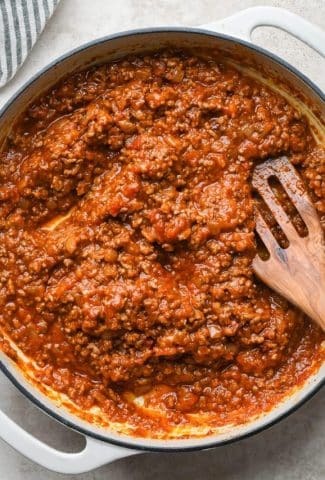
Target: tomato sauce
(127,240)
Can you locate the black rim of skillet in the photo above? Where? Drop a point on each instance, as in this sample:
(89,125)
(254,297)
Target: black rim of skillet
(208,444)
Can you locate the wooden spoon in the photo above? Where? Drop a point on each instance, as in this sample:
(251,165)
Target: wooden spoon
(296,272)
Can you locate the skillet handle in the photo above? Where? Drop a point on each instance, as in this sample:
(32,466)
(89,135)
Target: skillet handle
(243,23)
(95,453)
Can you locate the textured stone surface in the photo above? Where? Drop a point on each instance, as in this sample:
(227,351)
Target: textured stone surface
(293,449)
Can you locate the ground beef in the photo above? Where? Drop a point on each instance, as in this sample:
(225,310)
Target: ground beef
(127,240)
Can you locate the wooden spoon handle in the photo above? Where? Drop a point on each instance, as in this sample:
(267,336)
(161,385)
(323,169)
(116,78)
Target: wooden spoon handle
(297,276)
(314,302)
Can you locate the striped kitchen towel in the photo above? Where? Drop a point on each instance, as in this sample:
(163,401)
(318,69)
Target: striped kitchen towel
(21,23)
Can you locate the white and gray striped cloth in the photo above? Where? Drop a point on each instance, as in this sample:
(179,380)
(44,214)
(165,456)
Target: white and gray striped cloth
(21,23)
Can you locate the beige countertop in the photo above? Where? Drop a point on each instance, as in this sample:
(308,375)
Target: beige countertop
(291,450)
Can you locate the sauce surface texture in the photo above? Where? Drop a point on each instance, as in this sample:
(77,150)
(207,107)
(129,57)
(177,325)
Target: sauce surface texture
(127,239)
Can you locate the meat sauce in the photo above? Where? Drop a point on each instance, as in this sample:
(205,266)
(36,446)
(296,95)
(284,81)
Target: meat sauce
(127,239)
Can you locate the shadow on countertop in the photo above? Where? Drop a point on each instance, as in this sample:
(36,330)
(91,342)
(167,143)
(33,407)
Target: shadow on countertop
(291,450)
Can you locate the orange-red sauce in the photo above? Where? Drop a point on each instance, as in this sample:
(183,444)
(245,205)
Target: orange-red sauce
(147,286)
